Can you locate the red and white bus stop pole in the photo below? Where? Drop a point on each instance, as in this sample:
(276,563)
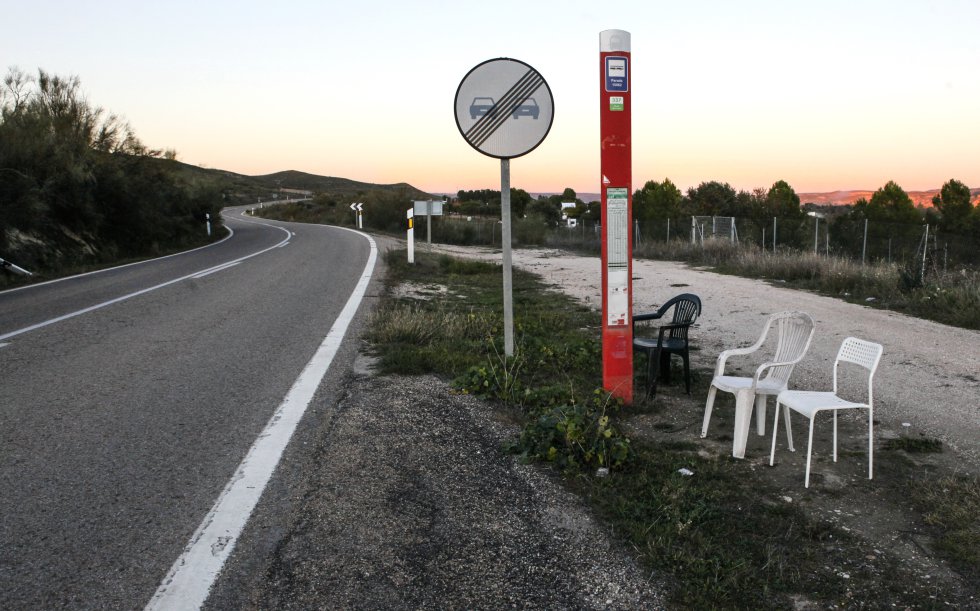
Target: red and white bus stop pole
(617,213)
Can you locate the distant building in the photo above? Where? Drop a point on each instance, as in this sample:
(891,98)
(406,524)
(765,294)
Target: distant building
(566,206)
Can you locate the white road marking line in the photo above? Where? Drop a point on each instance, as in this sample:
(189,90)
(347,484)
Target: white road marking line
(231,232)
(220,268)
(4,344)
(137,293)
(189,581)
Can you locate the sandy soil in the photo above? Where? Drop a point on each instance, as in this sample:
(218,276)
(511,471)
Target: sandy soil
(928,381)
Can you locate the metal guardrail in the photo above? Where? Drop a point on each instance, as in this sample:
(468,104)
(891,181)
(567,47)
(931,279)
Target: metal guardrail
(7,265)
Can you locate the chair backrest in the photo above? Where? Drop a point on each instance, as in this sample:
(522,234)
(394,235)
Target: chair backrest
(794,332)
(861,353)
(687,308)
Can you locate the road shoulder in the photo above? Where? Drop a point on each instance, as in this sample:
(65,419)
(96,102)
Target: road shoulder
(413,504)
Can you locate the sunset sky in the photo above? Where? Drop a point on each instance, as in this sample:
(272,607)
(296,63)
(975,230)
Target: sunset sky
(825,95)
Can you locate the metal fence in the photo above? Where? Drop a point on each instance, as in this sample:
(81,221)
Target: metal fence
(907,244)
(859,240)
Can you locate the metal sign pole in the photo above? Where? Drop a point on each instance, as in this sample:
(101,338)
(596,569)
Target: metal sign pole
(504,109)
(428,223)
(505,242)
(617,244)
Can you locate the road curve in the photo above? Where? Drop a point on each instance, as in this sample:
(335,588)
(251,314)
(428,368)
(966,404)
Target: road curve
(120,426)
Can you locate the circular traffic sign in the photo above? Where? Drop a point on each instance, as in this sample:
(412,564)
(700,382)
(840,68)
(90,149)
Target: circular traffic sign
(504,108)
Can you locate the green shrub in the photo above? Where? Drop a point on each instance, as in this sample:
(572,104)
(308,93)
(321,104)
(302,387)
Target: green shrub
(575,435)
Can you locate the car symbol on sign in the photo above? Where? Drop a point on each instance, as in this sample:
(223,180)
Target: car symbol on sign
(480,107)
(528,107)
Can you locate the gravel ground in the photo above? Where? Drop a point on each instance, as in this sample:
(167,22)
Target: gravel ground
(413,505)
(928,379)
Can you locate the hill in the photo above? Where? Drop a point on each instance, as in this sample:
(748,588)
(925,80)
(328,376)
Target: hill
(247,188)
(843,198)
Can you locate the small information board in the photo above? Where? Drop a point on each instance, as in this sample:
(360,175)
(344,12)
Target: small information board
(424,208)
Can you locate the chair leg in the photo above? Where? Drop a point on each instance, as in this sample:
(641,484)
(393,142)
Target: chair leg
(835,435)
(687,371)
(775,431)
(871,448)
(712,391)
(809,452)
(665,367)
(789,427)
(652,369)
(760,414)
(743,418)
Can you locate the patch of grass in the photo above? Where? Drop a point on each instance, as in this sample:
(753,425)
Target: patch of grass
(915,445)
(729,540)
(951,506)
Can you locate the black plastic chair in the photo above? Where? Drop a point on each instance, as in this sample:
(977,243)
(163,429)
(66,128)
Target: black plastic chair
(671,339)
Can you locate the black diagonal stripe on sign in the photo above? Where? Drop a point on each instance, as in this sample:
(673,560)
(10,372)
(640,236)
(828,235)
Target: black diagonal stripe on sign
(506,106)
(491,116)
(498,114)
(510,106)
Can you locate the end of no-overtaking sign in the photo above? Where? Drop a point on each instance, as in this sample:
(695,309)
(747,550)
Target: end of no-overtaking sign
(504,109)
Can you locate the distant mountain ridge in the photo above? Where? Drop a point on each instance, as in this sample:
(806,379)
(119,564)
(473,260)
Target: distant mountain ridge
(844,198)
(262,185)
(830,198)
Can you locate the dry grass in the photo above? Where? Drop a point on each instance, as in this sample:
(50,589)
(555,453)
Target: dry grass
(951,298)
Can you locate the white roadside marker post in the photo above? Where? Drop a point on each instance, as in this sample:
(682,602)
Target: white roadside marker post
(411,235)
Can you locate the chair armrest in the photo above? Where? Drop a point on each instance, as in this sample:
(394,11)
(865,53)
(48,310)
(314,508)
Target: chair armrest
(650,316)
(764,366)
(725,355)
(669,327)
(673,325)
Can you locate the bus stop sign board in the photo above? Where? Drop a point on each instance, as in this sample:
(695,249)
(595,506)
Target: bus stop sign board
(617,244)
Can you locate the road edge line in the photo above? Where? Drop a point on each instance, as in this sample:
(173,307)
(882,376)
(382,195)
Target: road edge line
(189,581)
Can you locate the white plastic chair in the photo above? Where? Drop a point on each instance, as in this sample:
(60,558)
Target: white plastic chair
(853,350)
(795,330)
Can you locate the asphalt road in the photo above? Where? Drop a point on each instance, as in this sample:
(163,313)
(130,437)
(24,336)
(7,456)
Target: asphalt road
(121,425)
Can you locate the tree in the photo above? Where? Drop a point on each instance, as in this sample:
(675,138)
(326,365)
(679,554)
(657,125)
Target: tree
(891,203)
(78,182)
(487,202)
(657,200)
(953,203)
(547,208)
(782,201)
(713,199)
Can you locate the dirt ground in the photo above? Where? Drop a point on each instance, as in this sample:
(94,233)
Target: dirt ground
(927,385)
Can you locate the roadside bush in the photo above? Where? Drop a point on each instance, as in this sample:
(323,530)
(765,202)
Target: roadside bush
(575,436)
(77,187)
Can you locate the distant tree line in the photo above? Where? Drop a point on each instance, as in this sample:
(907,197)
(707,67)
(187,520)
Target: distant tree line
(894,222)
(78,187)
